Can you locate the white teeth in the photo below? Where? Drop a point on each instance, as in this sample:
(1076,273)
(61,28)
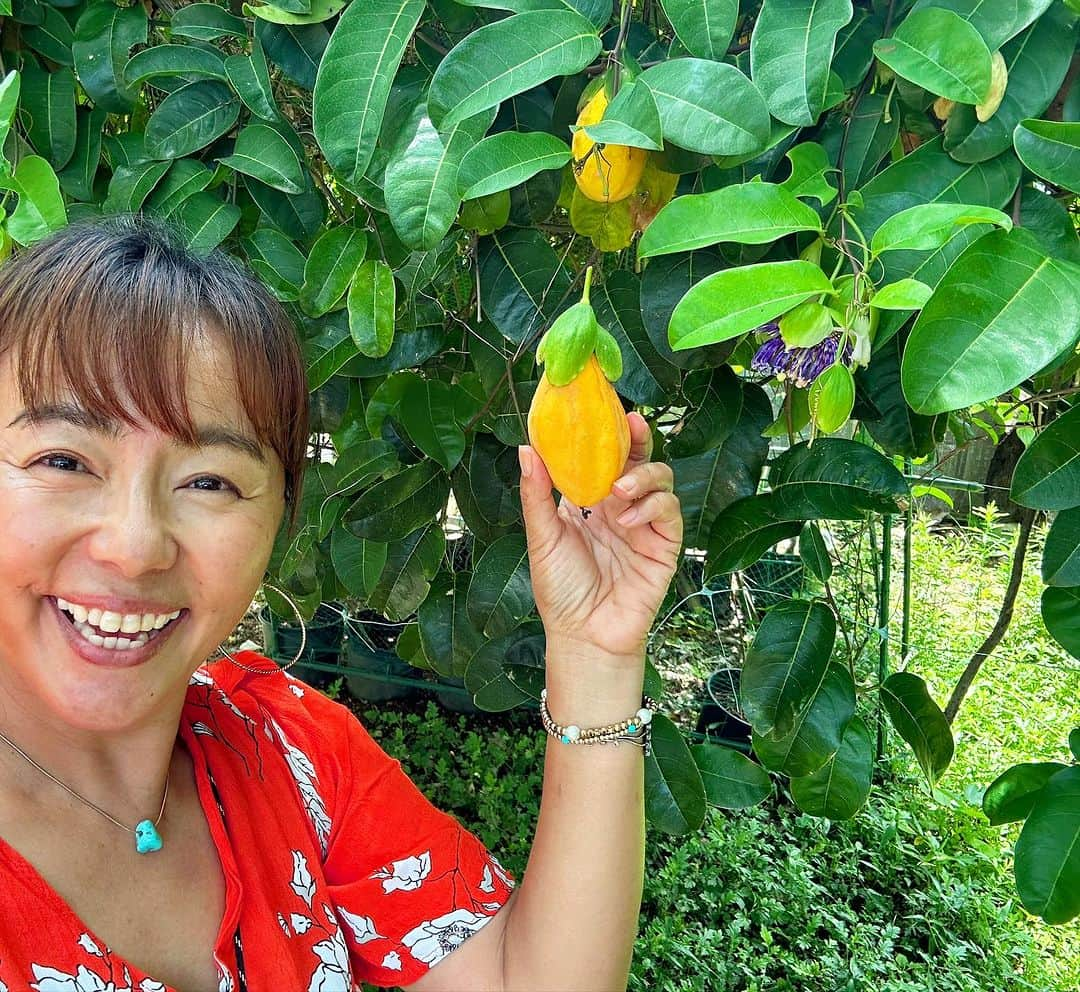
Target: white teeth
(117,623)
(116,643)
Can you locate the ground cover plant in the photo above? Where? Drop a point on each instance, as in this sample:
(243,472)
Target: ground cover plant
(847,225)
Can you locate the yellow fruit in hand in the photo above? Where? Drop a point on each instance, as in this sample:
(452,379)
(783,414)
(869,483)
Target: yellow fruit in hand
(581,432)
(605,173)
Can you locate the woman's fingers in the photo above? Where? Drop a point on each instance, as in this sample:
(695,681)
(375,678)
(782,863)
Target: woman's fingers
(661,509)
(646,478)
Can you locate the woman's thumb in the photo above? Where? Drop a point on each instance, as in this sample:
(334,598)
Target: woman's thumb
(537,503)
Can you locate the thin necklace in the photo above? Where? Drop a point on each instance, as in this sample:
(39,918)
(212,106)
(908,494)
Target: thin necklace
(147,838)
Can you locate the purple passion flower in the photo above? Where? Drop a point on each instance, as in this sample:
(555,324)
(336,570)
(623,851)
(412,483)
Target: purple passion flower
(803,365)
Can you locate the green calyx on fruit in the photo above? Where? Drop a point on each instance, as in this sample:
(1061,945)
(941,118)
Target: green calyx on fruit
(573,338)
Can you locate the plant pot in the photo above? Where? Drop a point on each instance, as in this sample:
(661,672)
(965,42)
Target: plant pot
(774,578)
(720,716)
(325,635)
(363,651)
(458,702)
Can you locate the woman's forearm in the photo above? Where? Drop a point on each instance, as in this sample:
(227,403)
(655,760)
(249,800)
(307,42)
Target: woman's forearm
(575,915)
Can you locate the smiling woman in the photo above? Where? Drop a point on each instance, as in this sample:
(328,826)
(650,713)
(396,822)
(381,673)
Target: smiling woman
(168,823)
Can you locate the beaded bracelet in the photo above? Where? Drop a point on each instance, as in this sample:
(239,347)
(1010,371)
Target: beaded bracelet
(636,729)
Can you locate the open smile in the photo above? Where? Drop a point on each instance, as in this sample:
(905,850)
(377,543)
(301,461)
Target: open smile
(112,649)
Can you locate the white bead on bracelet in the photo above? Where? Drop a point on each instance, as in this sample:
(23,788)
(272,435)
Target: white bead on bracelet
(636,729)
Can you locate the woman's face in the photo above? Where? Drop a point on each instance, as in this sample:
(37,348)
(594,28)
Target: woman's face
(84,515)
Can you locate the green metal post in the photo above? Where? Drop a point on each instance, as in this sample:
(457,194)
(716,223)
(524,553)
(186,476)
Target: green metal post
(905,618)
(883,620)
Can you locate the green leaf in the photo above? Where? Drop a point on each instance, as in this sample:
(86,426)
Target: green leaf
(206,22)
(1074,742)
(1048,851)
(815,552)
(48,102)
(809,167)
(970,344)
(748,213)
(734,301)
(411,563)
(1047,476)
(395,507)
(1050,149)
(77,177)
(297,49)
(834,479)
(508,57)
(207,220)
(904,294)
(503,672)
(920,721)
(785,664)
(330,268)
(426,411)
(870,133)
(744,531)
(190,118)
(449,639)
(1012,795)
(647,377)
(832,397)
(708,107)
(371,303)
(806,325)
(421,185)
(1061,555)
(174,60)
(996,22)
(704,27)
(632,118)
(249,75)
(1036,62)
(674,790)
(276,260)
(321,10)
(930,175)
(485,491)
(708,482)
(1061,614)
(357,563)
(941,52)
(713,417)
(501,595)
(929,225)
(354,79)
(53,38)
(263,152)
(104,34)
(507,159)
(840,787)
(130,185)
(732,780)
(818,729)
(790,53)
(40,210)
(522,282)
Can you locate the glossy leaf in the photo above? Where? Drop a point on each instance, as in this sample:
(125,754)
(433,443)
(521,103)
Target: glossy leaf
(1061,553)
(504,670)
(748,213)
(508,57)
(969,344)
(840,787)
(785,664)
(815,552)
(929,225)
(708,107)
(1048,851)
(1047,477)
(744,531)
(732,780)
(940,51)
(996,22)
(40,209)
(174,60)
(104,34)
(674,790)
(632,118)
(190,118)
(1050,149)
(393,508)
(904,294)
(330,268)
(832,397)
(1012,795)
(731,302)
(507,159)
(357,563)
(48,101)
(1061,614)
(354,78)
(263,152)
(405,580)
(427,412)
(371,302)
(500,595)
(920,721)
(818,729)
(790,53)
(704,27)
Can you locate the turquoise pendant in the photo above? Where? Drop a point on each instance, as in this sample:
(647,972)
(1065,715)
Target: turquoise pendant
(147,838)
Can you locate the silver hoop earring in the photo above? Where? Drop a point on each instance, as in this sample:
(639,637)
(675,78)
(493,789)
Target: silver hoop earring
(280,668)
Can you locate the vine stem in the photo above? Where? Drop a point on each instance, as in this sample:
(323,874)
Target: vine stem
(1027,518)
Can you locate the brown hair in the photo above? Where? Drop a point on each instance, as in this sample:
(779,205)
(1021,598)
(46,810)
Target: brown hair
(117,300)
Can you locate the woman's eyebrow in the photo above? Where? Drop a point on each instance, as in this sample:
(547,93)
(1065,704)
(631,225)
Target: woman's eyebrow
(205,435)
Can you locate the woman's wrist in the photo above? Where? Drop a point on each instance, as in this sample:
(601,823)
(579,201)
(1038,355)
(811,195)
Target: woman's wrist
(589,687)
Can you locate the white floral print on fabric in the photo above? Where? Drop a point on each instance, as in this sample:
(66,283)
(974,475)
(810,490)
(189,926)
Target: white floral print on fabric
(433,939)
(303,772)
(332,972)
(406,874)
(85,980)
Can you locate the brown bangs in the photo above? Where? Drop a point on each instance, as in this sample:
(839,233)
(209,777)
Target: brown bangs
(113,306)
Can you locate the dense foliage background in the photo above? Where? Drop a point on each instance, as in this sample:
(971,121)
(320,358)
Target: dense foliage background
(855,219)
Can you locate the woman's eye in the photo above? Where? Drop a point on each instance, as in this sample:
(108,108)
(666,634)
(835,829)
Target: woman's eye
(59,458)
(225,486)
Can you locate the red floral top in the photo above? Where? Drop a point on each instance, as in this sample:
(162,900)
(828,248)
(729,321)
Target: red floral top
(338,870)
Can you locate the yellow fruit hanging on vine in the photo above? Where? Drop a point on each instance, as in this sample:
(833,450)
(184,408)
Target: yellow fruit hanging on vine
(603,172)
(576,422)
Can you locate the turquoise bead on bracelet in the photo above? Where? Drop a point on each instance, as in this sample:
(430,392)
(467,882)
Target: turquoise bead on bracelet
(636,729)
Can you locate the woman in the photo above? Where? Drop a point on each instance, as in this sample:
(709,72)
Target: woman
(171,824)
